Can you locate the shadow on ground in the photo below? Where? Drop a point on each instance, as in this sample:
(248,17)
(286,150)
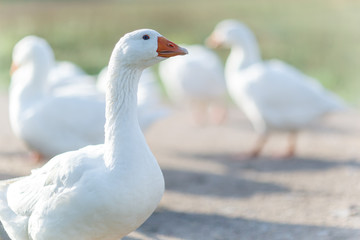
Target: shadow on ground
(182,225)
(271,164)
(4,176)
(223,186)
(14,154)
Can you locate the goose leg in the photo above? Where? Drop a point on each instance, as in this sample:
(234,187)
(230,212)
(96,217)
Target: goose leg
(199,113)
(292,144)
(255,152)
(259,145)
(218,113)
(290,151)
(36,157)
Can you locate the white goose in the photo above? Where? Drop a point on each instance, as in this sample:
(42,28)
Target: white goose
(60,73)
(150,106)
(51,120)
(103,191)
(198,80)
(272,94)
(68,76)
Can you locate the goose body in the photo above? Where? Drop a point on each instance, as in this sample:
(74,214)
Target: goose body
(100,191)
(65,74)
(272,94)
(196,79)
(275,96)
(51,120)
(198,76)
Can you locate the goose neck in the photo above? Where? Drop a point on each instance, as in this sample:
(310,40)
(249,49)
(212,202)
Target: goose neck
(122,131)
(28,83)
(243,54)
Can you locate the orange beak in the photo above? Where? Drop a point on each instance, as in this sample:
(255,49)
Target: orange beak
(168,49)
(13,68)
(212,42)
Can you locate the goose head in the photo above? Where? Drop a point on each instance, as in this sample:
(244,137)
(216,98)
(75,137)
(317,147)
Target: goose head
(228,33)
(31,50)
(143,48)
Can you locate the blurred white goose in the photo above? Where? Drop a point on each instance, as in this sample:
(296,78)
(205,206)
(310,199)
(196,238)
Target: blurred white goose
(65,74)
(149,100)
(51,120)
(198,80)
(103,191)
(60,73)
(272,94)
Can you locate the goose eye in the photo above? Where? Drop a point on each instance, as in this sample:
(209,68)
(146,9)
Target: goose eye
(146,37)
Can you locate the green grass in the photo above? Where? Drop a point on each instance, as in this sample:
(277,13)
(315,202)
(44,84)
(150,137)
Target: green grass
(320,37)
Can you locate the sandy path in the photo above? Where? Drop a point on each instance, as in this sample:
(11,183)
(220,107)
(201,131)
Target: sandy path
(212,195)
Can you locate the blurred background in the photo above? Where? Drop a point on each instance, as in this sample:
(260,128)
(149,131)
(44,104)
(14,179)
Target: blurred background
(319,37)
(209,193)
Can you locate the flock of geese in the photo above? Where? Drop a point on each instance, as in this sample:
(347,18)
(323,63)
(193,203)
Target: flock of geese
(103,181)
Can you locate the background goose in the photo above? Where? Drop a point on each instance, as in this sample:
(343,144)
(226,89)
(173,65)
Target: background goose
(68,76)
(51,120)
(198,80)
(272,94)
(102,191)
(60,73)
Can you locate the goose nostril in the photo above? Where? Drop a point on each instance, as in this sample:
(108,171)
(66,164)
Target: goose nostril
(171,45)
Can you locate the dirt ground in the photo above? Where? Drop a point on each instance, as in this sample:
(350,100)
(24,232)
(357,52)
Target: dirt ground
(212,194)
